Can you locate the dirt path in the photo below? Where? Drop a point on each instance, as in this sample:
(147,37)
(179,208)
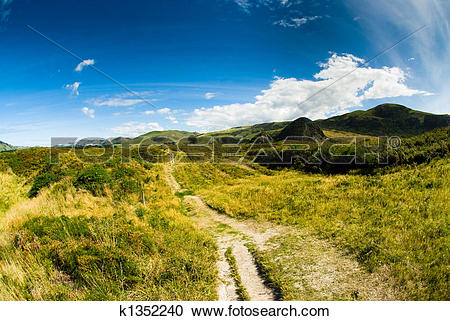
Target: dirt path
(174,186)
(313,268)
(246,266)
(229,234)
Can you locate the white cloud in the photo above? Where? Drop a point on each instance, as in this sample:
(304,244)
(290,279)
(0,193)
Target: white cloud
(5,10)
(244,4)
(116,114)
(210,95)
(84,63)
(149,112)
(172,119)
(134,129)
(164,111)
(287,99)
(74,88)
(430,46)
(114,102)
(88,112)
(295,22)
(411,59)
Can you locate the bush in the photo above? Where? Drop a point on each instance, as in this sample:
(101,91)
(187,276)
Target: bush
(40,182)
(82,248)
(93,179)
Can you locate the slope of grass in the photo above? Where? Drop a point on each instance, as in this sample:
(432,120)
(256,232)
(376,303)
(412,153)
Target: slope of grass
(398,219)
(72,243)
(386,120)
(13,190)
(4,147)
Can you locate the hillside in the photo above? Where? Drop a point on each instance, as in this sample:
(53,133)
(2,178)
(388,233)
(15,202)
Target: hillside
(383,120)
(386,120)
(247,133)
(156,136)
(4,147)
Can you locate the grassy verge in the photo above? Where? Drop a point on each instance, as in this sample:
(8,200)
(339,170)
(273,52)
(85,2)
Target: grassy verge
(397,220)
(240,289)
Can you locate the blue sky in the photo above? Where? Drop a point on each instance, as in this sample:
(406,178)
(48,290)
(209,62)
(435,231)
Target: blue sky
(211,64)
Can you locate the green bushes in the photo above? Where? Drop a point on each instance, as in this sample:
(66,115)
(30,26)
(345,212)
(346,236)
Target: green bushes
(40,182)
(114,258)
(91,251)
(93,179)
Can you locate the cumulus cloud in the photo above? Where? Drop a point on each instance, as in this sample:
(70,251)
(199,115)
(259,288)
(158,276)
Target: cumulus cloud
(74,88)
(164,111)
(134,129)
(172,119)
(295,22)
(149,112)
(84,63)
(88,112)
(210,95)
(289,98)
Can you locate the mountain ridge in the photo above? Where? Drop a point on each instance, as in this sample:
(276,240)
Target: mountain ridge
(382,120)
(5,147)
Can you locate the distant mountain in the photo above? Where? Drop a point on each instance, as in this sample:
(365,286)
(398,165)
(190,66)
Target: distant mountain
(386,120)
(4,147)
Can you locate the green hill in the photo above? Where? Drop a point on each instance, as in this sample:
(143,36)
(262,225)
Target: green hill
(247,133)
(165,136)
(386,120)
(4,147)
(383,120)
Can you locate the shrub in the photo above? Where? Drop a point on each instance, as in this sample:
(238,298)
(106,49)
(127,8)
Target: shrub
(93,179)
(40,182)
(90,250)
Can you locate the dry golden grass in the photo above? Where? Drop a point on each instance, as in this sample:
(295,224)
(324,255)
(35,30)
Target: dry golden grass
(167,257)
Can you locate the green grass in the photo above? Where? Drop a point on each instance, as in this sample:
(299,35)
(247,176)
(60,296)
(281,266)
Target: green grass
(72,242)
(386,120)
(240,289)
(397,219)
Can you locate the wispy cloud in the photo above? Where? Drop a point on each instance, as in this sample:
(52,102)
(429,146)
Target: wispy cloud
(244,4)
(210,95)
(5,9)
(114,102)
(134,129)
(287,99)
(295,22)
(84,63)
(74,88)
(88,112)
(430,47)
(148,112)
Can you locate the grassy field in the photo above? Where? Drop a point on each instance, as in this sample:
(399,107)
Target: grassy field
(87,235)
(113,231)
(397,220)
